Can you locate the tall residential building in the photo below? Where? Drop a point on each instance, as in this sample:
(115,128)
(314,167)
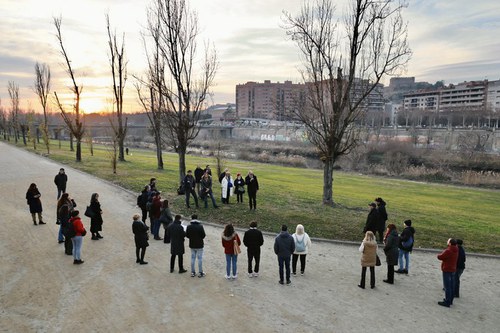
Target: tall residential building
(493,96)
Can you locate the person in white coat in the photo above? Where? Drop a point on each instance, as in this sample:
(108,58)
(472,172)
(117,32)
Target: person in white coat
(227,187)
(302,246)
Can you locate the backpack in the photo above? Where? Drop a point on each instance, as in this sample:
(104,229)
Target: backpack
(408,243)
(300,246)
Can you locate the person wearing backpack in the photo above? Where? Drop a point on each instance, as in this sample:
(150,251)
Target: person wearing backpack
(406,240)
(302,245)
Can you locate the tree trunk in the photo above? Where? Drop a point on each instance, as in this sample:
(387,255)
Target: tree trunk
(71,142)
(78,150)
(159,156)
(182,163)
(121,150)
(328,182)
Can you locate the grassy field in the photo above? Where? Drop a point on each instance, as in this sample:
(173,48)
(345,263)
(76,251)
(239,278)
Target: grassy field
(292,195)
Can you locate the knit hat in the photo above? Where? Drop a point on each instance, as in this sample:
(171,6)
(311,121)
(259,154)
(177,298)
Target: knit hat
(408,223)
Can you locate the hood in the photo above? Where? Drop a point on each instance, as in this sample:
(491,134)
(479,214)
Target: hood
(228,238)
(412,230)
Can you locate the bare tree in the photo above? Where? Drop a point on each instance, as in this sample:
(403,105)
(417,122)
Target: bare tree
(72,120)
(42,89)
(186,90)
(13,89)
(343,63)
(119,73)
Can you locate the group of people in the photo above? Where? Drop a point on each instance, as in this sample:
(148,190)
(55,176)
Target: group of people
(71,228)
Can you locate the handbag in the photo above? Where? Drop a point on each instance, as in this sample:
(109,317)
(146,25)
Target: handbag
(89,212)
(378,263)
(237,249)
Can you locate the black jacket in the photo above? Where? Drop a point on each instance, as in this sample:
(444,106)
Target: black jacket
(188,183)
(372,221)
(391,248)
(252,184)
(176,233)
(60,180)
(196,233)
(461,258)
(284,245)
(405,235)
(140,231)
(253,238)
(198,173)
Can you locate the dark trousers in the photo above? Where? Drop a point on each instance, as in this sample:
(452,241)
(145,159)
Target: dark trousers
(60,192)
(253,253)
(295,258)
(458,273)
(142,251)
(390,273)
(252,199)
(284,264)
(68,245)
(380,234)
(180,261)
(449,287)
(166,236)
(144,214)
(188,195)
(239,197)
(372,276)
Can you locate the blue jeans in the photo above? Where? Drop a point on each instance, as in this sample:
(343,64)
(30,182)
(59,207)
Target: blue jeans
(156,228)
(449,287)
(406,255)
(197,253)
(205,199)
(60,236)
(231,260)
(284,261)
(77,247)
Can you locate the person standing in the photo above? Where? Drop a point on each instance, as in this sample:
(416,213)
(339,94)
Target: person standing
(65,205)
(391,251)
(77,239)
(284,246)
(229,240)
(449,259)
(227,187)
(382,213)
(142,201)
(198,173)
(302,245)
(239,185)
(176,234)
(152,185)
(35,204)
(406,240)
(140,230)
(196,233)
(96,218)
(206,190)
(368,251)
(165,219)
(253,240)
(61,179)
(372,220)
(252,188)
(189,188)
(154,215)
(460,267)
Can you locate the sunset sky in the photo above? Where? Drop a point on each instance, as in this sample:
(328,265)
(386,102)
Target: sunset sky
(451,40)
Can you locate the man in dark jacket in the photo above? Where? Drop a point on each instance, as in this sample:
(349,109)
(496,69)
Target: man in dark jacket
(176,233)
(449,258)
(198,173)
(460,266)
(60,180)
(284,246)
(406,240)
(196,233)
(372,221)
(189,188)
(252,188)
(253,240)
(382,213)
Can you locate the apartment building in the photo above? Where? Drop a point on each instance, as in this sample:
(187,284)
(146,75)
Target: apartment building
(493,96)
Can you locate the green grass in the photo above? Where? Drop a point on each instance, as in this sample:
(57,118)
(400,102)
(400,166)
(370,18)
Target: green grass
(293,195)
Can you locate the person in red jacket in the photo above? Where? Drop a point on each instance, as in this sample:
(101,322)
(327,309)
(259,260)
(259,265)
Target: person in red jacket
(229,238)
(77,239)
(449,259)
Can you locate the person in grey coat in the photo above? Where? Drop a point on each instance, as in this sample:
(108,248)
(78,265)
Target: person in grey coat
(284,246)
(176,234)
(391,251)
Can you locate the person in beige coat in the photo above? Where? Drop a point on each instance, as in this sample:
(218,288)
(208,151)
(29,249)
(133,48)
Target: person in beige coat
(302,247)
(368,251)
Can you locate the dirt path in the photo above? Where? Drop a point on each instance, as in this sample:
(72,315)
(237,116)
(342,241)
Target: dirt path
(42,291)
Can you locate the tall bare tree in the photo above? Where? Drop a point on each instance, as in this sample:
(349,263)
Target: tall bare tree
(344,61)
(72,119)
(42,89)
(185,88)
(118,65)
(13,89)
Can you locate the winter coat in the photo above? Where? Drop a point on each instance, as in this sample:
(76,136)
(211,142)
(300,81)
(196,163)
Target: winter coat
(166,217)
(391,248)
(302,238)
(239,185)
(140,230)
(225,183)
(449,258)
(372,221)
(228,243)
(77,225)
(60,180)
(461,258)
(155,208)
(405,235)
(189,183)
(198,173)
(34,202)
(382,212)
(284,245)
(206,186)
(253,238)
(96,220)
(196,233)
(369,253)
(252,184)
(143,200)
(176,233)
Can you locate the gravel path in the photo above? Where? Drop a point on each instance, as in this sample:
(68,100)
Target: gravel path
(42,291)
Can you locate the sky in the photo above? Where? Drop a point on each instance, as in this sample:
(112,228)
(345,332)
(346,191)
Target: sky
(453,41)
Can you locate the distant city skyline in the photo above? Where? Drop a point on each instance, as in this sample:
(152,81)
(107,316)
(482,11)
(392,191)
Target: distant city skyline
(451,41)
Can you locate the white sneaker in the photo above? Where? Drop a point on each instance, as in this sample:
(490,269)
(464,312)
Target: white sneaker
(250,275)
(255,274)
(227,277)
(234,276)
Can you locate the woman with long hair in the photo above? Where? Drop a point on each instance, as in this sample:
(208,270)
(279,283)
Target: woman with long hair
(65,205)
(229,240)
(302,245)
(33,200)
(96,218)
(391,251)
(368,251)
